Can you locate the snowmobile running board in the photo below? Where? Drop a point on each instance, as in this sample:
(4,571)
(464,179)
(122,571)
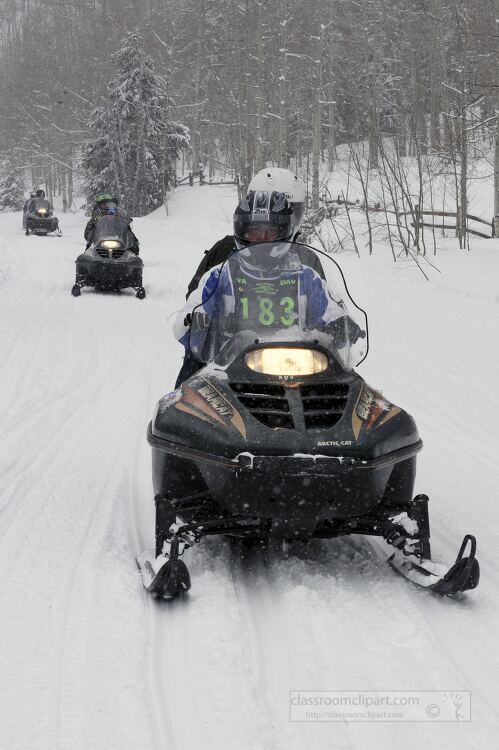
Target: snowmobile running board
(464,575)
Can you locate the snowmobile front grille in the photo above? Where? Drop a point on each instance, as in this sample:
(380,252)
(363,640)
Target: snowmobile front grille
(323,404)
(267,403)
(117,253)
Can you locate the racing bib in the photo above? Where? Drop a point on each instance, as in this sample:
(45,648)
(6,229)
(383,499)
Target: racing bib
(266,303)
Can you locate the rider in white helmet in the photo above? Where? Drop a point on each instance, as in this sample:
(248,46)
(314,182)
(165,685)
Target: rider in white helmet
(270,179)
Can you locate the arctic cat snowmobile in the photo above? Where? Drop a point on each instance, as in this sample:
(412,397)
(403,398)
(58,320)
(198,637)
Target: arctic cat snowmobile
(39,219)
(109,263)
(277,438)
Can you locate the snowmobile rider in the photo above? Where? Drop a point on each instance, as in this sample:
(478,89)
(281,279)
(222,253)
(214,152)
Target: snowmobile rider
(262,216)
(28,202)
(29,206)
(106,204)
(41,194)
(270,179)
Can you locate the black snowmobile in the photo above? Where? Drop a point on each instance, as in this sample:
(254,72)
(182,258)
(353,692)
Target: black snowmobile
(109,262)
(277,438)
(39,219)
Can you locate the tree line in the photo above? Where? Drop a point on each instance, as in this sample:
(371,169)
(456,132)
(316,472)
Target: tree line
(254,81)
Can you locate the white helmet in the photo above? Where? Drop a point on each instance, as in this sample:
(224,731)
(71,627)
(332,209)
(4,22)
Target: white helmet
(282,181)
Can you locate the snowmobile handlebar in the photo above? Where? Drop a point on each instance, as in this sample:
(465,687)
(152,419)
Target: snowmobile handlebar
(344,330)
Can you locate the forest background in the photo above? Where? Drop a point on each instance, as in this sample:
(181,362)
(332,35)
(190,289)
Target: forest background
(241,84)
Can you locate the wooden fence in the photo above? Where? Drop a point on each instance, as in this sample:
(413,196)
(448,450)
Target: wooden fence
(202,180)
(418,214)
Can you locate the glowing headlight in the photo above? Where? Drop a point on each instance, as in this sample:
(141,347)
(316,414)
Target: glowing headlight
(41,211)
(286,361)
(111,244)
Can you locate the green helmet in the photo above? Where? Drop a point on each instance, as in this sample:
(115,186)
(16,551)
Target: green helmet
(103,197)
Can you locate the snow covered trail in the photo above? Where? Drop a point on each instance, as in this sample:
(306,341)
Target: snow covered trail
(87,660)
(79,382)
(66,383)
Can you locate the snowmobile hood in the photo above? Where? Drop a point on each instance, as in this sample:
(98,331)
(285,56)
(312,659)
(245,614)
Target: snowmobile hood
(92,258)
(228,416)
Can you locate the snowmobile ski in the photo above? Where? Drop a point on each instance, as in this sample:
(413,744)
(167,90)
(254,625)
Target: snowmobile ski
(165,576)
(463,575)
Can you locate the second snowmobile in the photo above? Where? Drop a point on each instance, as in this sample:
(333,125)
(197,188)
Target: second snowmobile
(39,219)
(109,262)
(278,438)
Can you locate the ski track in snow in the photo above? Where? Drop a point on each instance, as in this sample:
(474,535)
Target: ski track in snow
(88,661)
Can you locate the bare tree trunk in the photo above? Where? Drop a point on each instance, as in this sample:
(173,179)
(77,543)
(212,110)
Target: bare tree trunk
(317,129)
(282,146)
(240,47)
(50,186)
(63,191)
(195,134)
(373,130)
(70,188)
(463,179)
(463,172)
(331,140)
(496,163)
(259,160)
(496,175)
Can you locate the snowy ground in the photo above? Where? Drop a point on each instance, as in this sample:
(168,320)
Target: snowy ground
(87,661)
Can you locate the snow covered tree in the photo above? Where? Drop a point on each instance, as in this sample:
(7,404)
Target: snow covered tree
(11,187)
(133,145)
(98,163)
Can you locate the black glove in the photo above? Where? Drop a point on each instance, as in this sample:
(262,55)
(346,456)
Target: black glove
(344,330)
(188,320)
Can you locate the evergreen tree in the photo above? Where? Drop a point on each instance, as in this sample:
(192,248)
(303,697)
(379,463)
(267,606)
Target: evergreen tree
(134,144)
(98,163)
(11,187)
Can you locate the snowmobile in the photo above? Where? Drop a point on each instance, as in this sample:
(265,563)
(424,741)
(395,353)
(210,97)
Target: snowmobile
(278,438)
(38,219)
(109,262)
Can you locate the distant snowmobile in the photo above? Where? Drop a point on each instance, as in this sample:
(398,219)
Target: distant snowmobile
(109,262)
(277,438)
(38,218)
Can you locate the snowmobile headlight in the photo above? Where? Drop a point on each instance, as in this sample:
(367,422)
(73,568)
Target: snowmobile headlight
(41,211)
(287,361)
(110,244)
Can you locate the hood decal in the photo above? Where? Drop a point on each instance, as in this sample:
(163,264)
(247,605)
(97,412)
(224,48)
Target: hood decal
(202,398)
(372,410)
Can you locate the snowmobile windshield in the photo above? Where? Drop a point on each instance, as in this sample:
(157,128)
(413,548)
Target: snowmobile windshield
(110,227)
(273,293)
(41,204)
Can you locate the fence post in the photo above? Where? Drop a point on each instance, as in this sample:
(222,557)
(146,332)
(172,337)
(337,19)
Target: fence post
(417,216)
